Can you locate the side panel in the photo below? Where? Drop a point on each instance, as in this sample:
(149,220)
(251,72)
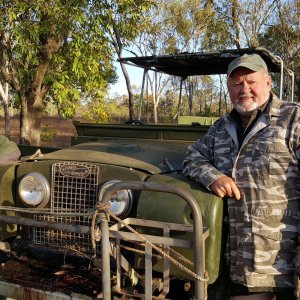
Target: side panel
(171,208)
(88,131)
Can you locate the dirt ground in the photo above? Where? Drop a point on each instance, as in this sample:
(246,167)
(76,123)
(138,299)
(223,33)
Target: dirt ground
(59,131)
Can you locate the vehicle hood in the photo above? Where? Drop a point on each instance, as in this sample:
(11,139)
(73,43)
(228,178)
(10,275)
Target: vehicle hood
(152,156)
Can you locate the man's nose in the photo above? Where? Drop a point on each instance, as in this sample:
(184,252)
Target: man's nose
(245,87)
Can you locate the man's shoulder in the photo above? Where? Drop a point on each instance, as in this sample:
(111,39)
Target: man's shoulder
(289,104)
(283,105)
(222,120)
(220,123)
(290,108)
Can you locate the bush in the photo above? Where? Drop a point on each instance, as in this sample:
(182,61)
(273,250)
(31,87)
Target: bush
(47,133)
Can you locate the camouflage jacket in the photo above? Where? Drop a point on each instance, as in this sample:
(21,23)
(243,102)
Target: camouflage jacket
(264,224)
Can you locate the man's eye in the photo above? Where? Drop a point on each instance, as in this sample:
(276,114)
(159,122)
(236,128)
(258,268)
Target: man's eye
(251,82)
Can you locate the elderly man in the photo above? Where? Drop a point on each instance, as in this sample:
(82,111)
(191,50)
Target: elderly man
(251,159)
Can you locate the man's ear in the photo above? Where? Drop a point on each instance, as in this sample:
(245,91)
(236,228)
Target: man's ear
(269,82)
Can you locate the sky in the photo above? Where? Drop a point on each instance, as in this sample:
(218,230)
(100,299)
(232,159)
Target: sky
(135,75)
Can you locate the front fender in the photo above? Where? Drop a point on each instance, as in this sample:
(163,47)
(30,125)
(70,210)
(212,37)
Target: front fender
(171,208)
(7,196)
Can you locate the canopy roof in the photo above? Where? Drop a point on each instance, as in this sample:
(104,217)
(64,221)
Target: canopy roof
(200,63)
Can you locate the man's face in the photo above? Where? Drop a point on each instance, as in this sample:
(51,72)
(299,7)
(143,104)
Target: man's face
(248,89)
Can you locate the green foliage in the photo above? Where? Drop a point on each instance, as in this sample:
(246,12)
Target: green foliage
(286,29)
(48,133)
(185,23)
(96,112)
(217,35)
(124,18)
(101,110)
(64,47)
(208,111)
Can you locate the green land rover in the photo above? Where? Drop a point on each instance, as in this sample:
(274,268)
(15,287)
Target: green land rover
(112,217)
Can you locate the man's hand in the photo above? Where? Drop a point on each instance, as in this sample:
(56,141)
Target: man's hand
(225,186)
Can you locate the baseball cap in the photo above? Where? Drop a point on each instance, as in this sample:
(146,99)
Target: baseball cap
(253,62)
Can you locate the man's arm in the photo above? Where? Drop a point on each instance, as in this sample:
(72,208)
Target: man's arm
(199,165)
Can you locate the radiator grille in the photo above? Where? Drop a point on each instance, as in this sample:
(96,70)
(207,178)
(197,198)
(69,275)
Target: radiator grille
(73,189)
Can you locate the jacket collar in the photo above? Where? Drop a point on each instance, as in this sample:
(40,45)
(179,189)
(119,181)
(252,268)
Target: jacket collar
(274,108)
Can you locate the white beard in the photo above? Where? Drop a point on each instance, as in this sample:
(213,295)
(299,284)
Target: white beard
(248,108)
(240,108)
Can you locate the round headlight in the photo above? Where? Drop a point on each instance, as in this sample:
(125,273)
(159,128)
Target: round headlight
(120,201)
(34,190)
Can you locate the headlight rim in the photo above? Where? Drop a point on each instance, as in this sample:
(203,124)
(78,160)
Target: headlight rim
(46,190)
(129,202)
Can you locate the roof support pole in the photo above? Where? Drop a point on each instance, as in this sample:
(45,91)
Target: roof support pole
(179,100)
(281,76)
(292,75)
(142,94)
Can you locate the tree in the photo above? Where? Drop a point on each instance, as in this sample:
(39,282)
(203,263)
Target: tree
(286,29)
(175,26)
(58,46)
(245,20)
(4,96)
(125,17)
(46,45)
(264,23)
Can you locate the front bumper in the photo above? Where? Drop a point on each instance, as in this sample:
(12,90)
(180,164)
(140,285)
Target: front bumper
(110,246)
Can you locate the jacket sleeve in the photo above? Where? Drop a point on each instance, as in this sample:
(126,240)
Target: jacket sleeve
(198,163)
(8,150)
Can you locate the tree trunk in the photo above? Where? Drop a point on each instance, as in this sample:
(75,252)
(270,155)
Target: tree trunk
(4,96)
(130,93)
(235,23)
(156,99)
(200,101)
(155,112)
(118,45)
(35,113)
(190,100)
(7,119)
(24,127)
(147,103)
(31,119)
(190,89)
